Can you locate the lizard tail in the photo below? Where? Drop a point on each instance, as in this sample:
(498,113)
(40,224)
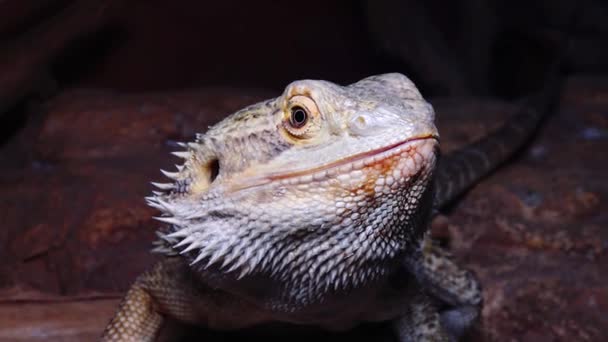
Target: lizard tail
(458,171)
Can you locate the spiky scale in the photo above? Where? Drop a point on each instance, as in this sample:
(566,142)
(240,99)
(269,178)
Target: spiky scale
(245,270)
(168,174)
(182,154)
(186,241)
(200,257)
(159,250)
(168,219)
(163,186)
(236,265)
(166,206)
(151,201)
(164,237)
(179,233)
(191,247)
(229,259)
(213,259)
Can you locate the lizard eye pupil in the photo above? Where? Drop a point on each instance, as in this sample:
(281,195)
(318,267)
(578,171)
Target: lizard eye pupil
(299,116)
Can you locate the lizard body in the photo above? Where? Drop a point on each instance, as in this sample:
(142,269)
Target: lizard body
(312,208)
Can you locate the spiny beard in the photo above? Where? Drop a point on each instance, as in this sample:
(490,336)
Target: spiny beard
(306,261)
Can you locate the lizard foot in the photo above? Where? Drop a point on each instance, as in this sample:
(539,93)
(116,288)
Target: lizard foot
(450,284)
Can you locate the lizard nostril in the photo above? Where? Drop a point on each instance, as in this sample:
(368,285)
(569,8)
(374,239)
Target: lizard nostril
(360,123)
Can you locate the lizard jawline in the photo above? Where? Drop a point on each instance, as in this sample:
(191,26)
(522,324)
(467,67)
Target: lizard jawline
(258,181)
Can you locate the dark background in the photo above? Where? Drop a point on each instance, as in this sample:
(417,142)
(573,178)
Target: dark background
(470,47)
(94,94)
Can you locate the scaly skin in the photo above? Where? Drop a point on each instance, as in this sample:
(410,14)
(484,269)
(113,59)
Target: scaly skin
(313,208)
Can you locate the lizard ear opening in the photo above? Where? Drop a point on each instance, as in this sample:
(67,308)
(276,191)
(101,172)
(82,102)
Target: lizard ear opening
(206,172)
(214,169)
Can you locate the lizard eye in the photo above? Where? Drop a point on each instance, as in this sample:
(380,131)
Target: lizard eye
(301,117)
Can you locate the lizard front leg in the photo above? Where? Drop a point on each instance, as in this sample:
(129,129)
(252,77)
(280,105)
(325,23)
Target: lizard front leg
(137,318)
(421,322)
(160,292)
(169,291)
(442,278)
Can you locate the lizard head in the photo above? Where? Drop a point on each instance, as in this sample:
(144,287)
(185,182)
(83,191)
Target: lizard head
(324,178)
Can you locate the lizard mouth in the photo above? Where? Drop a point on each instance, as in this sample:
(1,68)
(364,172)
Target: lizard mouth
(355,161)
(351,159)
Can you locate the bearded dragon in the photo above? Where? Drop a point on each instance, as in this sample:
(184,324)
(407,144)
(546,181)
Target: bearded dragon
(313,208)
